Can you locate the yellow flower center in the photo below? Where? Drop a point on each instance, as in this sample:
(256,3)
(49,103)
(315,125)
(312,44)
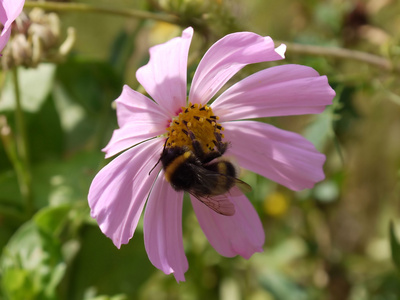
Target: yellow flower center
(200,120)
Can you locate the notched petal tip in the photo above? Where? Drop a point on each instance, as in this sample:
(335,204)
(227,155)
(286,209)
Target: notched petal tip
(179,277)
(188,33)
(164,76)
(330,91)
(281,50)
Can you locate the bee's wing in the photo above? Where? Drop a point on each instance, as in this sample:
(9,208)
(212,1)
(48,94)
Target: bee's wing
(220,204)
(243,188)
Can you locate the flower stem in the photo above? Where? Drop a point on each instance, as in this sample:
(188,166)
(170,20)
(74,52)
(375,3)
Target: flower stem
(83,7)
(22,165)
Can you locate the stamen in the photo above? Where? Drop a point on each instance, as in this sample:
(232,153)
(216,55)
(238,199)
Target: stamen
(190,124)
(211,122)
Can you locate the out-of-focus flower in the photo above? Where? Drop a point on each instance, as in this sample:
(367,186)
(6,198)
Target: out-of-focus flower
(9,11)
(276,204)
(36,38)
(119,191)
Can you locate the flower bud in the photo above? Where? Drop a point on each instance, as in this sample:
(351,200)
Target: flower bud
(35,38)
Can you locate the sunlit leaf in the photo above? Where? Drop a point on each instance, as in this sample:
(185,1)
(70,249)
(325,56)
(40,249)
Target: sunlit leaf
(395,246)
(52,219)
(116,297)
(281,287)
(31,265)
(35,85)
(112,271)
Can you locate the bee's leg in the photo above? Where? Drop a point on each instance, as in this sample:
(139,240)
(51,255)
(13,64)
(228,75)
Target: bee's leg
(198,149)
(221,146)
(162,153)
(210,156)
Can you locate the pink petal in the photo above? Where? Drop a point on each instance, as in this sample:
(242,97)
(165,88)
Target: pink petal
(9,11)
(164,77)
(4,37)
(134,107)
(139,119)
(163,229)
(277,91)
(240,234)
(118,192)
(225,58)
(282,156)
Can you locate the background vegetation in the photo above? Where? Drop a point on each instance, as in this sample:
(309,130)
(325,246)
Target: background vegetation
(336,241)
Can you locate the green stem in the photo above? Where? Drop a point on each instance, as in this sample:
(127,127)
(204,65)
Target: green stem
(22,168)
(11,152)
(82,7)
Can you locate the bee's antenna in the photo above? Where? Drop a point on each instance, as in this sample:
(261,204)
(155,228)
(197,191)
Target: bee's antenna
(165,144)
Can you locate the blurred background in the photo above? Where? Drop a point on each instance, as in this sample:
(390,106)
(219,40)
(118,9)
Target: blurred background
(335,241)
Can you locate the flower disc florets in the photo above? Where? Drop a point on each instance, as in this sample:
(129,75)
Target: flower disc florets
(200,120)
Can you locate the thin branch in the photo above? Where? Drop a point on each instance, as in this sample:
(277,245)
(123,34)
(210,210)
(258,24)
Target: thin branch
(23,164)
(371,59)
(82,7)
(336,52)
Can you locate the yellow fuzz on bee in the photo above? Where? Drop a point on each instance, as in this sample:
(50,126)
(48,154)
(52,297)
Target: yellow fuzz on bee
(198,119)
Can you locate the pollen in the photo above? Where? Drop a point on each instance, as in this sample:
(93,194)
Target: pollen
(199,120)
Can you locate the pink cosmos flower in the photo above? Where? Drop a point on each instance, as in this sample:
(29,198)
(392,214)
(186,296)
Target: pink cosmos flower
(9,11)
(119,191)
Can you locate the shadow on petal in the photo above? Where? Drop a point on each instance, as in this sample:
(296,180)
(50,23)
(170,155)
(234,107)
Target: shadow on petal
(241,234)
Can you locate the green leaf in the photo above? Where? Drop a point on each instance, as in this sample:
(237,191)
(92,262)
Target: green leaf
(51,220)
(123,47)
(116,297)
(110,270)
(35,85)
(65,181)
(83,100)
(395,246)
(281,286)
(31,264)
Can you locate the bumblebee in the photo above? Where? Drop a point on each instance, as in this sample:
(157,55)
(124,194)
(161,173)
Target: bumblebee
(205,175)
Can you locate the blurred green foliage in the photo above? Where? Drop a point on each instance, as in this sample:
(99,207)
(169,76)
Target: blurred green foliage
(336,241)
